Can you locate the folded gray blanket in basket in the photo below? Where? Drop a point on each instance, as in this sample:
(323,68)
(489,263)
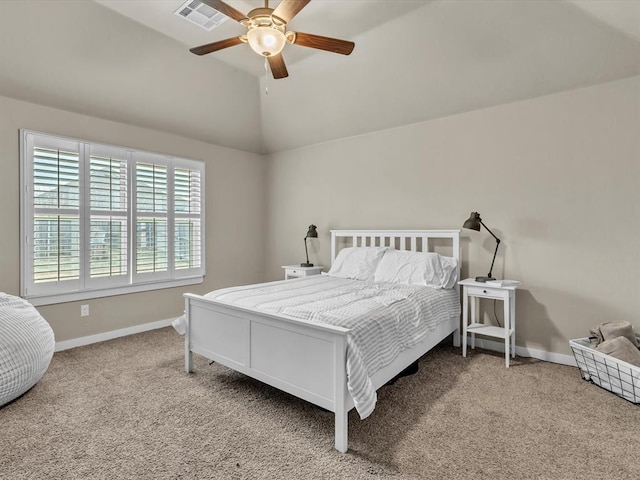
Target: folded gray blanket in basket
(610,330)
(622,349)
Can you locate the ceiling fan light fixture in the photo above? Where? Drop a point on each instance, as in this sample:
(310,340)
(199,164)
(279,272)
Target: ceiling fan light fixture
(266,40)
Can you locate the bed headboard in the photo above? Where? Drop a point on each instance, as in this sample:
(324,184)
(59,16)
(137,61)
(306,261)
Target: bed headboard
(412,240)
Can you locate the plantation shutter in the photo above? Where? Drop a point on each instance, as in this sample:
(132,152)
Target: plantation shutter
(152,241)
(108,259)
(188,208)
(53,238)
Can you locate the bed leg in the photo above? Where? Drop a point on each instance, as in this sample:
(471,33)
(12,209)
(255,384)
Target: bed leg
(188,356)
(456,337)
(341,411)
(342,435)
(188,361)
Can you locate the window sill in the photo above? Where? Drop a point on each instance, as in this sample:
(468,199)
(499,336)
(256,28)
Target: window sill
(39,300)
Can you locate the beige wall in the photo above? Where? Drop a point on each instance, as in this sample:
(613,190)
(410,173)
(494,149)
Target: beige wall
(235,182)
(83,57)
(455,56)
(556,178)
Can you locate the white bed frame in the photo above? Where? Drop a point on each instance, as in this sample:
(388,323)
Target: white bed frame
(303,358)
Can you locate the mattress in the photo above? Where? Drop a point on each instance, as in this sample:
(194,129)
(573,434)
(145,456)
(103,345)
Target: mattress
(383,318)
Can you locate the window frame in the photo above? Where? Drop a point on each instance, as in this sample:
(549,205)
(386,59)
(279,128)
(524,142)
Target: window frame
(87,287)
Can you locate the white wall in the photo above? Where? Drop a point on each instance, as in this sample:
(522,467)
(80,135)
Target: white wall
(556,178)
(235,192)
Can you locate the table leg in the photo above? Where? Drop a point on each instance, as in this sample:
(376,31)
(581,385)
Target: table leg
(507,328)
(512,302)
(474,304)
(465,318)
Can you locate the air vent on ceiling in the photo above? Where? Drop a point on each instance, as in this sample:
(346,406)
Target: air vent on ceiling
(202,15)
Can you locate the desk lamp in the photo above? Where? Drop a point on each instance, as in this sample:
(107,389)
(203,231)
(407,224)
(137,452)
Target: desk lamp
(473,223)
(311,233)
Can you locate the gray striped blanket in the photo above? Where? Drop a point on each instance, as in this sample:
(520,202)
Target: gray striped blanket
(384,318)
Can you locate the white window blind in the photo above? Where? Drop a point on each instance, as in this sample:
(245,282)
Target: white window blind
(108,216)
(187,211)
(54,197)
(99,220)
(152,220)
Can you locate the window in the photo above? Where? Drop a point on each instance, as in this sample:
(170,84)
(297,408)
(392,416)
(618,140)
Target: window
(100,220)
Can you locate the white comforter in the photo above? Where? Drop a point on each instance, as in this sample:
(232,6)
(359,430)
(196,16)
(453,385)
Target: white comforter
(384,318)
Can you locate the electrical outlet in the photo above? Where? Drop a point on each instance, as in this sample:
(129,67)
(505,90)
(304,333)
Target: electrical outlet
(84,310)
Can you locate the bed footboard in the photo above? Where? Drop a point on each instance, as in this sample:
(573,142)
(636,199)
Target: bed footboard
(305,359)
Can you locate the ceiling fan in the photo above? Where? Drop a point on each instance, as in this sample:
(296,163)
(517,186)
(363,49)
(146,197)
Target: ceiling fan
(267,33)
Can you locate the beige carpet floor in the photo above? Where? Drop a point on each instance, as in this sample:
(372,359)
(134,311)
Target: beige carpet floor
(126,409)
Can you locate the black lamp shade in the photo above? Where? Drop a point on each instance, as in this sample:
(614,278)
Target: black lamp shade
(473,222)
(312,232)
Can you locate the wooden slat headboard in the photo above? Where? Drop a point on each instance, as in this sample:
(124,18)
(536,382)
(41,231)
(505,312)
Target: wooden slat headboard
(413,240)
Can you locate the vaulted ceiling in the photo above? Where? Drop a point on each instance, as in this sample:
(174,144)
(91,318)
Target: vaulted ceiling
(341,19)
(414,60)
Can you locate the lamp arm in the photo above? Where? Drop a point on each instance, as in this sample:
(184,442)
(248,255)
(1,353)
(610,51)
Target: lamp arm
(494,254)
(488,230)
(497,245)
(305,249)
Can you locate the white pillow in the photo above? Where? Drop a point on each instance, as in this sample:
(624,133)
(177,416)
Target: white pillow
(417,268)
(359,263)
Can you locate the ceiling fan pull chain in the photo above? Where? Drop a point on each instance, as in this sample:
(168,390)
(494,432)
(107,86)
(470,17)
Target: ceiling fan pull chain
(266,77)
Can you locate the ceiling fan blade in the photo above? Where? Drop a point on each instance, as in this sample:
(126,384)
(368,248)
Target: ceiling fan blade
(287,9)
(334,45)
(278,68)
(215,46)
(225,9)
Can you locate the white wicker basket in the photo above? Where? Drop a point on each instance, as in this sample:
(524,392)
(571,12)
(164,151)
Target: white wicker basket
(608,372)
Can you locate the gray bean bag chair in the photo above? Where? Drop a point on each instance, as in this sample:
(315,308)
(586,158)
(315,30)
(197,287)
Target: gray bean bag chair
(26,347)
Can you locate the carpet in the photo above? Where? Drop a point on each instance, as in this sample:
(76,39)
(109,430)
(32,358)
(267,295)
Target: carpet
(125,409)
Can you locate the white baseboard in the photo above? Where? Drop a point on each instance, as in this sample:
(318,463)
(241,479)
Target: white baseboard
(101,337)
(145,327)
(527,352)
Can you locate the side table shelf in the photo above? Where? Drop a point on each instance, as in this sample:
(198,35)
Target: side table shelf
(472,291)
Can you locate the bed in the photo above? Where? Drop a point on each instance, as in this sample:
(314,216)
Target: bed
(288,347)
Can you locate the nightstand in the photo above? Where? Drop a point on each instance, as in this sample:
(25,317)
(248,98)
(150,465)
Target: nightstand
(471,292)
(295,271)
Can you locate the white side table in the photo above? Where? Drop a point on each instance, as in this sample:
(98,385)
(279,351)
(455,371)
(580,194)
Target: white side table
(295,271)
(471,292)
